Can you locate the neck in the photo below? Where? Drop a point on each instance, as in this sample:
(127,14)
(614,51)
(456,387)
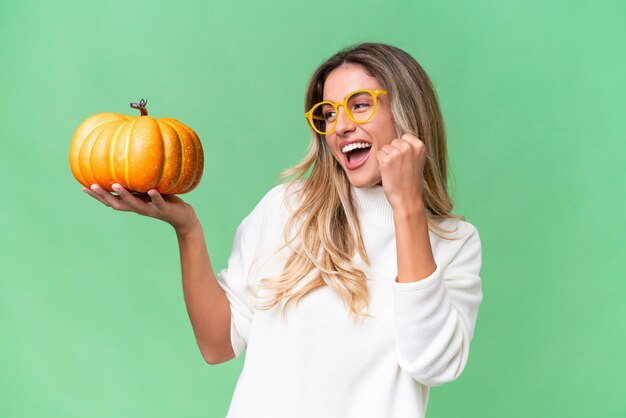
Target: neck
(372,205)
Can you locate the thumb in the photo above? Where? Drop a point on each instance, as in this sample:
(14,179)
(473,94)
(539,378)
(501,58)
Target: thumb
(382,158)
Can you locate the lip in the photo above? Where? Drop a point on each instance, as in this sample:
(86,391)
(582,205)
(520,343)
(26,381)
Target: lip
(354,166)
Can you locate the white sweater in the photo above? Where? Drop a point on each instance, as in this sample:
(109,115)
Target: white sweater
(319,362)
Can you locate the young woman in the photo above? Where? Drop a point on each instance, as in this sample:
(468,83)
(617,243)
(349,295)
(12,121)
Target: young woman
(354,288)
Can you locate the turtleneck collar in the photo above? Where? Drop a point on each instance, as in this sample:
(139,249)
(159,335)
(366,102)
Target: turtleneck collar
(372,205)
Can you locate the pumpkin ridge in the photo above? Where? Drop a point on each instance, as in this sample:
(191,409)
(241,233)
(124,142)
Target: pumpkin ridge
(165,159)
(112,152)
(78,146)
(182,155)
(88,166)
(126,154)
(197,152)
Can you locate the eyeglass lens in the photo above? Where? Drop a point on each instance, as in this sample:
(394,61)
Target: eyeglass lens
(360,107)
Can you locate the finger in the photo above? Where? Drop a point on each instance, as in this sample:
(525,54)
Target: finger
(412,140)
(401,145)
(129,200)
(409,137)
(382,157)
(105,197)
(94,195)
(389,150)
(157,199)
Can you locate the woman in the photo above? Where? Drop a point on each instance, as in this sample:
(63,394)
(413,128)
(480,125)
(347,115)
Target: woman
(353,289)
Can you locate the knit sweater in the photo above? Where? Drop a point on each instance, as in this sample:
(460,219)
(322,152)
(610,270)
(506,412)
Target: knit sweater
(318,361)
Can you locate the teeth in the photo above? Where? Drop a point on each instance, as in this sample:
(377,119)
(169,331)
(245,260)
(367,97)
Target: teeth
(354,146)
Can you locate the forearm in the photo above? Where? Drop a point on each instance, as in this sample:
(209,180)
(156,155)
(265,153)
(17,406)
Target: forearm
(435,316)
(415,256)
(207,305)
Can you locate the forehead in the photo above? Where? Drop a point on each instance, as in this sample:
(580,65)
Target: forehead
(346,79)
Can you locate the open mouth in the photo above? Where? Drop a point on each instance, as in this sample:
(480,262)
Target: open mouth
(356,154)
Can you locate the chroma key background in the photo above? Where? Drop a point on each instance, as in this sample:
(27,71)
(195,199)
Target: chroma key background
(92,317)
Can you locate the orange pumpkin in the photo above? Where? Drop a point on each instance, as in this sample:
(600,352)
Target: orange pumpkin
(138,152)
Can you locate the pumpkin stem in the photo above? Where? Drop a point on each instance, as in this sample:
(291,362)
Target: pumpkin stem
(141,106)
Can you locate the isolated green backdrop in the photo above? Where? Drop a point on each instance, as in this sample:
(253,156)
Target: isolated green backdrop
(92,318)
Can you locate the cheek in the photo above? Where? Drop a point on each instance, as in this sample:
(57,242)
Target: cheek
(331,142)
(339,158)
(333,148)
(390,127)
(384,136)
(384,131)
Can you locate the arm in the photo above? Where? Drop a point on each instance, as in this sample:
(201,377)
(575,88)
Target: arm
(435,303)
(401,166)
(207,305)
(435,316)
(415,257)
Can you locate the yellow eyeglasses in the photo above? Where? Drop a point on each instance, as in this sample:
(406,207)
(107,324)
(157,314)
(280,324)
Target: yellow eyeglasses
(359,106)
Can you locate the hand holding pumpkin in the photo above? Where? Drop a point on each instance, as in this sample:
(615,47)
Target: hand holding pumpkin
(170,209)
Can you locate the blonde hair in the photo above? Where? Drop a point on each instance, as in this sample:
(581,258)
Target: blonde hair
(327,232)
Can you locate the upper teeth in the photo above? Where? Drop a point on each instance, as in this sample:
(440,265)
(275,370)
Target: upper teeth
(355,145)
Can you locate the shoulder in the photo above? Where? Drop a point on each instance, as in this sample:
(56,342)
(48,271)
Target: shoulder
(275,206)
(454,228)
(284,195)
(455,235)
(461,247)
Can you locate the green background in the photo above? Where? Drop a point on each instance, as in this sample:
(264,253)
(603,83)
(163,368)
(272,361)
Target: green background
(92,317)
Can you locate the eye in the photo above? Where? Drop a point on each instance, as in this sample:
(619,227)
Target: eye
(362,105)
(361,102)
(328,113)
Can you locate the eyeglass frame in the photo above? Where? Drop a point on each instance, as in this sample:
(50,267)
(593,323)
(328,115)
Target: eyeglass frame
(309,115)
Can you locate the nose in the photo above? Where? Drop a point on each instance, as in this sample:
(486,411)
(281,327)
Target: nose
(343,123)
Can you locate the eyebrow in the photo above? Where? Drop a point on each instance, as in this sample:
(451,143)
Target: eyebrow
(333,101)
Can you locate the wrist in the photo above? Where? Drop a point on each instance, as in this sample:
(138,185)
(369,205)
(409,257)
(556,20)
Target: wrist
(188,227)
(409,208)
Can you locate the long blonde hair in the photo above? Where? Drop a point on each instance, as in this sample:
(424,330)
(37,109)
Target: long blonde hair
(327,231)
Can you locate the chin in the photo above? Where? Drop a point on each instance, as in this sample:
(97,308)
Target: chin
(362,182)
(364,177)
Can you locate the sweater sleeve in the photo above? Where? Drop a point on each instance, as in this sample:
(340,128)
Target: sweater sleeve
(233,281)
(238,275)
(435,317)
